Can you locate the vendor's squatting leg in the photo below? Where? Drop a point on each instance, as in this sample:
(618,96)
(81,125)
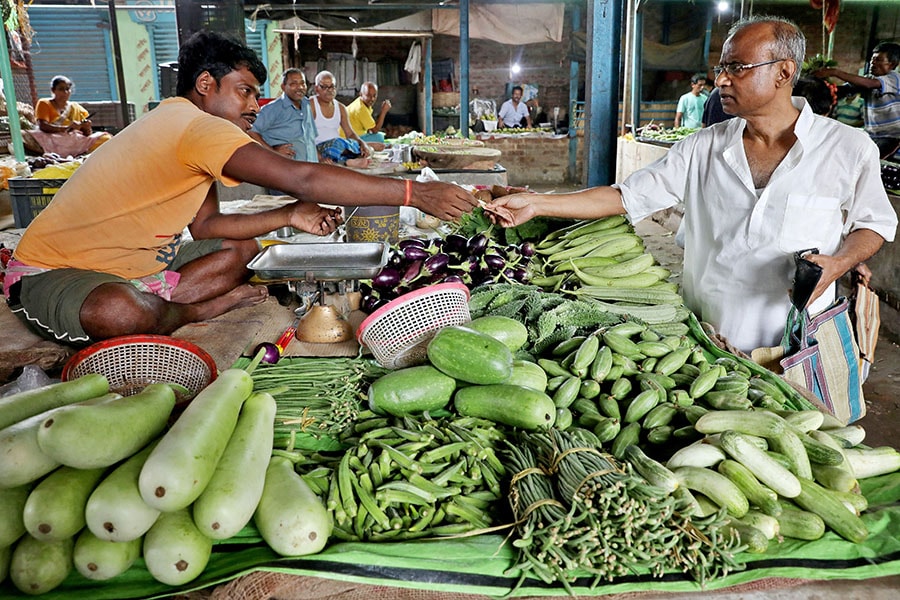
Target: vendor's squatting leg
(210,286)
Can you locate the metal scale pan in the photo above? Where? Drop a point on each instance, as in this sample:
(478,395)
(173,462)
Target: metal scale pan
(320,261)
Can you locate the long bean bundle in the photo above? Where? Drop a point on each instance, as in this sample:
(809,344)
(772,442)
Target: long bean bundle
(318,396)
(579,511)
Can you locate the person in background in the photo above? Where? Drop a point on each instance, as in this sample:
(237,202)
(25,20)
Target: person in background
(753,191)
(712,109)
(851,106)
(689,112)
(360,114)
(63,126)
(882,116)
(331,120)
(108,256)
(286,125)
(514,112)
(818,95)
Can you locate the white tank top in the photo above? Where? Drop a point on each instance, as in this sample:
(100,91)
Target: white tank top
(328,129)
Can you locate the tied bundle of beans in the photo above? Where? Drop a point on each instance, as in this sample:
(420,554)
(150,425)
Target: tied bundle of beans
(578,510)
(319,396)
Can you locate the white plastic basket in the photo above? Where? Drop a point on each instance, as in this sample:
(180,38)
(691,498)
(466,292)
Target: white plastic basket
(398,333)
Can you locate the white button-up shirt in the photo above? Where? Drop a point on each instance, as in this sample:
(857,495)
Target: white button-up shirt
(739,241)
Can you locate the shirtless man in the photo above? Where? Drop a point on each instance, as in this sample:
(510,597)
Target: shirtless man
(106,257)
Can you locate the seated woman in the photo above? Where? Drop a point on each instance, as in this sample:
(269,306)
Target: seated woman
(64,127)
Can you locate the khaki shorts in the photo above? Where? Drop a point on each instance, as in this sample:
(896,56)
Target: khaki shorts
(50,302)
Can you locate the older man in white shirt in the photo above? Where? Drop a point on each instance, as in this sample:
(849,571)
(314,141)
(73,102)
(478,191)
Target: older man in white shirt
(755,189)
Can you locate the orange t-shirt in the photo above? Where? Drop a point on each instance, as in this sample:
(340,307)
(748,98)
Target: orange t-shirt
(124,210)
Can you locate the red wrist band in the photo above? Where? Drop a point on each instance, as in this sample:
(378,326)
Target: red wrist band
(408,197)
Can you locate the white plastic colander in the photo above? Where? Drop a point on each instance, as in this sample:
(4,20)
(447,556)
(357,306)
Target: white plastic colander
(398,333)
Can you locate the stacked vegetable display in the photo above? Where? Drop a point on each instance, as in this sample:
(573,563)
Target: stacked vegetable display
(473,261)
(69,497)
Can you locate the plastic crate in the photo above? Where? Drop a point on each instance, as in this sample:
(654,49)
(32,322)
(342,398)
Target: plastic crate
(30,196)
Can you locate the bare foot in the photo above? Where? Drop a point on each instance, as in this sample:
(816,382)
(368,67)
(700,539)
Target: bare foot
(247,295)
(357,163)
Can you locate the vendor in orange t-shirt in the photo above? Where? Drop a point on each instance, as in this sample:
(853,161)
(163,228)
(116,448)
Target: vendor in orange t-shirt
(109,255)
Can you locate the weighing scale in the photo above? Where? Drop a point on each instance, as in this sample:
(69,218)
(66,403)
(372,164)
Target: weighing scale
(307,268)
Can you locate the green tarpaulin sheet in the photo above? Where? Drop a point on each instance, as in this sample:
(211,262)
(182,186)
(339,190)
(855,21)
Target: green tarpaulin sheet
(478,565)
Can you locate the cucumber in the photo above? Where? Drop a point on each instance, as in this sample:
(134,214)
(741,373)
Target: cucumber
(470,356)
(54,509)
(749,535)
(291,519)
(181,464)
(838,517)
(412,390)
(228,502)
(566,393)
(758,494)
(5,556)
(528,374)
(23,460)
(69,435)
(765,468)
(698,454)
(651,470)
(512,333)
(36,567)
(100,560)
(12,503)
(508,404)
(752,422)
(716,486)
(870,462)
(800,524)
(18,407)
(789,444)
(115,510)
(175,551)
(768,524)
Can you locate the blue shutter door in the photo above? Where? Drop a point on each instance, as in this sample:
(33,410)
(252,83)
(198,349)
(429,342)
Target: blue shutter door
(74,42)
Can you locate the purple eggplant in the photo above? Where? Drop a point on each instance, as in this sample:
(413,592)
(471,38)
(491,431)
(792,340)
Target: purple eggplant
(436,264)
(520,275)
(404,244)
(477,244)
(452,279)
(413,253)
(435,244)
(455,243)
(494,263)
(412,272)
(396,259)
(369,303)
(386,279)
(527,249)
(364,288)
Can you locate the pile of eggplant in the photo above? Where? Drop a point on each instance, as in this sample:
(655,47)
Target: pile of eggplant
(418,263)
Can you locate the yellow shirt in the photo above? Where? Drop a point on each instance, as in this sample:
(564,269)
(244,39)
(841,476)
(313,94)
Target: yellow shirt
(45,111)
(360,117)
(123,211)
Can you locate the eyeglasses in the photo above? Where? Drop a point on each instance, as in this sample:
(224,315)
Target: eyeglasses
(735,68)
(326,87)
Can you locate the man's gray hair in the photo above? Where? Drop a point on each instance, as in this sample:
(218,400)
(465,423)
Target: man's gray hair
(790,43)
(322,75)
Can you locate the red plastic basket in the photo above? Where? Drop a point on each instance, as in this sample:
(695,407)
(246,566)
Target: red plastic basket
(397,333)
(132,362)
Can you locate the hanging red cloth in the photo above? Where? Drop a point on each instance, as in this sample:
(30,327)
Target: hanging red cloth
(832,9)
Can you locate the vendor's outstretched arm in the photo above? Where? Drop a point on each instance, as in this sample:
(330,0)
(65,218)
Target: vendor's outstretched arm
(336,185)
(858,246)
(592,203)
